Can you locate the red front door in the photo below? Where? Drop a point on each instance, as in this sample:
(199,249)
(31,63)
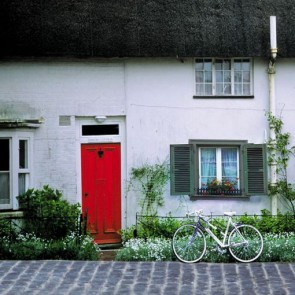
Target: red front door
(101,190)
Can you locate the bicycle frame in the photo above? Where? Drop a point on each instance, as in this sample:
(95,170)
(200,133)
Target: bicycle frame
(222,244)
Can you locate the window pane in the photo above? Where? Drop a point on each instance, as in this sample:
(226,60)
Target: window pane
(219,76)
(229,165)
(238,89)
(246,89)
(227,76)
(208,89)
(22,183)
(246,65)
(199,77)
(112,129)
(23,154)
(218,64)
(208,165)
(238,76)
(238,64)
(207,65)
(208,77)
(4,152)
(226,64)
(199,65)
(219,88)
(4,188)
(246,77)
(200,89)
(227,89)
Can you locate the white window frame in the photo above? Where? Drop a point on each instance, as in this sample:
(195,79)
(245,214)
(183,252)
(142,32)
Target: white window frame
(232,83)
(14,169)
(219,163)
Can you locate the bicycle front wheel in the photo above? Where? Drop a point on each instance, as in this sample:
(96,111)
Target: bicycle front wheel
(245,243)
(189,243)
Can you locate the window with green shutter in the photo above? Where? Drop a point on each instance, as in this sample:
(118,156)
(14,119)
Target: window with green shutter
(255,165)
(182,170)
(218,168)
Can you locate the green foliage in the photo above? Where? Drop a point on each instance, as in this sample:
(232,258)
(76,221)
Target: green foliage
(153,227)
(47,215)
(279,152)
(277,247)
(30,247)
(150,181)
(49,229)
(152,249)
(275,224)
(6,229)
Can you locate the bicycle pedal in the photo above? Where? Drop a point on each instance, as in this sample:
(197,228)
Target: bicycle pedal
(220,251)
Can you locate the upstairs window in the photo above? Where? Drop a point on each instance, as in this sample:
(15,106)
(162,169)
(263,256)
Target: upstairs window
(226,77)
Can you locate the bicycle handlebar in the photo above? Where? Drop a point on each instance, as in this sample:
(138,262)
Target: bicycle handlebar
(198,213)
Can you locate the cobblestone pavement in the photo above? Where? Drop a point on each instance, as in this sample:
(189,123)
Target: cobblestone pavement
(110,277)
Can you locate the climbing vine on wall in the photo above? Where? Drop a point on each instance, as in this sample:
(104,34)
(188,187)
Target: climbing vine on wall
(149,183)
(279,152)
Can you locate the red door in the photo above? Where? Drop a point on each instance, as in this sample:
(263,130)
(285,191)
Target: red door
(101,190)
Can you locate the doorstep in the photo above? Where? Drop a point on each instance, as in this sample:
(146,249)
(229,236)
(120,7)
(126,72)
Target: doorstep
(108,255)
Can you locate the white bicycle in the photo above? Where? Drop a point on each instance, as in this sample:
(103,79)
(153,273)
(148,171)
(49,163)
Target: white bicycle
(244,242)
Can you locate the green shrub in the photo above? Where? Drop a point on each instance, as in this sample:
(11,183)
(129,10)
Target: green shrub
(7,230)
(30,247)
(277,248)
(151,249)
(47,215)
(153,227)
(267,223)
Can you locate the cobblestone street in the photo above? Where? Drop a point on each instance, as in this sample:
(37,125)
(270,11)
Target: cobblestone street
(110,277)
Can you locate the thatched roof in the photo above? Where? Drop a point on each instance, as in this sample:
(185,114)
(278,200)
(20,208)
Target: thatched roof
(152,28)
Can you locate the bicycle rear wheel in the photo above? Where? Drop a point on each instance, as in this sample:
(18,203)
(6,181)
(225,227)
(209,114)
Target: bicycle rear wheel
(189,243)
(245,243)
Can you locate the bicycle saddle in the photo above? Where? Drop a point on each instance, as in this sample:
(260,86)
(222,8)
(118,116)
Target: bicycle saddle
(231,213)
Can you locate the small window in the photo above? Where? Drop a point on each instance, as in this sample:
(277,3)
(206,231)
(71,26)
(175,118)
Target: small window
(224,77)
(225,169)
(92,130)
(15,167)
(23,175)
(4,171)
(23,154)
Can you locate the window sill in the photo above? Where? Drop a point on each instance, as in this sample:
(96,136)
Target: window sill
(223,96)
(10,214)
(217,197)
(219,193)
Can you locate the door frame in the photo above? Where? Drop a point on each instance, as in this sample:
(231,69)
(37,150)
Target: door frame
(101,139)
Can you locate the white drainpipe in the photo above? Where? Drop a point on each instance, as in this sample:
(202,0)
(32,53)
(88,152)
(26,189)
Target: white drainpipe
(272,102)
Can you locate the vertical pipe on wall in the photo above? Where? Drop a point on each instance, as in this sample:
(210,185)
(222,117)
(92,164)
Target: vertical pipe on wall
(272,103)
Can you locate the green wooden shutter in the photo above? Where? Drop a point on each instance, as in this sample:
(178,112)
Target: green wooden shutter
(182,170)
(255,169)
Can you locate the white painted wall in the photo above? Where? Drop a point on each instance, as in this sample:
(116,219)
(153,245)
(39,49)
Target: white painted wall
(156,96)
(48,89)
(162,111)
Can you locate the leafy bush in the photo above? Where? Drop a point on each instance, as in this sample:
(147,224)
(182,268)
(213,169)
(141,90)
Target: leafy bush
(279,240)
(47,215)
(268,223)
(30,247)
(6,230)
(49,230)
(154,227)
(277,248)
(151,249)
